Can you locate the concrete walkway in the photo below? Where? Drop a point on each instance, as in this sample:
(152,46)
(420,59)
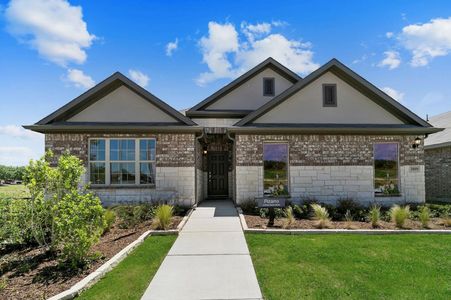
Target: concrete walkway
(209,259)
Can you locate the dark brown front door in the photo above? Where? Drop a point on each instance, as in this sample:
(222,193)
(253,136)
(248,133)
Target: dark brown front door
(217,174)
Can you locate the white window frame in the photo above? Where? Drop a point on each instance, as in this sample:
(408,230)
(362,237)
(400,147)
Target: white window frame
(108,162)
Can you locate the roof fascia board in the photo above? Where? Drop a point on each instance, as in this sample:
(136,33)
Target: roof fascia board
(49,128)
(436,146)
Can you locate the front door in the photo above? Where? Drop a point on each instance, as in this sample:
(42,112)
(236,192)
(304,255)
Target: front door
(217,174)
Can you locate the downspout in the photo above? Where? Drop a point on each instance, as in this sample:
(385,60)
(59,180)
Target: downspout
(195,169)
(234,165)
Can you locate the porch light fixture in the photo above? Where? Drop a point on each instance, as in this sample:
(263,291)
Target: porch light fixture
(205,150)
(416,143)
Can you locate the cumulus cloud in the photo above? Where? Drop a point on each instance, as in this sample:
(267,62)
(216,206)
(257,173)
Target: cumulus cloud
(16,155)
(427,41)
(171,47)
(54,28)
(389,35)
(397,95)
(139,77)
(18,131)
(392,60)
(228,53)
(79,79)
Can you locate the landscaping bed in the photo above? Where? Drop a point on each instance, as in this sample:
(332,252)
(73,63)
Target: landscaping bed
(28,272)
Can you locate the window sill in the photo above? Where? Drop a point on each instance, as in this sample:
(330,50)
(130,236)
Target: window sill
(388,196)
(122,186)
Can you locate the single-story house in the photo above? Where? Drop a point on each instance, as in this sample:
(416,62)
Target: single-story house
(437,157)
(269,132)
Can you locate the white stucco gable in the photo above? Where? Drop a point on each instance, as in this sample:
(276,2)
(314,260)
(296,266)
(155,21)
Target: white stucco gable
(306,106)
(122,105)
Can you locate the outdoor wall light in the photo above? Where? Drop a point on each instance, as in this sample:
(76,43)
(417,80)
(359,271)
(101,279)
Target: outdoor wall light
(416,143)
(205,150)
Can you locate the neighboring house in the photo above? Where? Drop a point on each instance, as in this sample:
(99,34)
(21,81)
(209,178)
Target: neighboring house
(269,132)
(438,160)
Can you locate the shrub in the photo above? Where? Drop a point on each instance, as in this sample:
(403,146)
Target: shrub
(424,216)
(163,215)
(347,204)
(321,215)
(110,217)
(446,220)
(15,222)
(399,215)
(298,211)
(64,217)
(348,216)
(374,215)
(289,221)
(249,207)
(278,212)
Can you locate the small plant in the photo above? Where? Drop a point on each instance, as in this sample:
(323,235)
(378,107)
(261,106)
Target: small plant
(446,220)
(110,218)
(349,219)
(249,207)
(374,216)
(289,217)
(424,216)
(3,284)
(163,215)
(321,215)
(399,215)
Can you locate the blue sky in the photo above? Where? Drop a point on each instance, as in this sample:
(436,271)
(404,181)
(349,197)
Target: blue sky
(53,50)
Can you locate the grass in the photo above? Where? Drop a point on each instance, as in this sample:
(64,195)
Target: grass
(352,266)
(130,278)
(9,191)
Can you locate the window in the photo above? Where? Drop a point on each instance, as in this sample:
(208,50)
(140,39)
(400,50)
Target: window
(97,161)
(275,169)
(329,95)
(386,170)
(147,161)
(268,86)
(122,161)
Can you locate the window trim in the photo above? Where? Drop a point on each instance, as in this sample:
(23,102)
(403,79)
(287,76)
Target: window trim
(108,162)
(334,85)
(273,82)
(288,166)
(398,177)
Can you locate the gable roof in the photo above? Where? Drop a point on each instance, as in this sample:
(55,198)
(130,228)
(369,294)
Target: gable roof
(198,109)
(440,139)
(351,78)
(102,89)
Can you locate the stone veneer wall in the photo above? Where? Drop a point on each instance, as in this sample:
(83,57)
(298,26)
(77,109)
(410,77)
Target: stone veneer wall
(438,174)
(175,166)
(329,167)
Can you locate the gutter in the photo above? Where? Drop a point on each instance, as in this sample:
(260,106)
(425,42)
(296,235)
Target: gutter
(111,128)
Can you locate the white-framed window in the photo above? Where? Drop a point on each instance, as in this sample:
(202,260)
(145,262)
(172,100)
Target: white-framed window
(122,161)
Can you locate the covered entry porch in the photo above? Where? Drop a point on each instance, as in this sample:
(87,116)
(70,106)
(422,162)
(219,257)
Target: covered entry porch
(215,165)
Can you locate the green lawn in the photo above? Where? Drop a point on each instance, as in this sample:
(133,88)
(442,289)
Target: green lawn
(352,266)
(9,191)
(130,278)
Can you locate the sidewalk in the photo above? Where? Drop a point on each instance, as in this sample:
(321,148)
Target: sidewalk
(209,259)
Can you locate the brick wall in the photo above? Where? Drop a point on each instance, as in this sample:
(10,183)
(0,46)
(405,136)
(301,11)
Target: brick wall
(328,167)
(438,173)
(175,167)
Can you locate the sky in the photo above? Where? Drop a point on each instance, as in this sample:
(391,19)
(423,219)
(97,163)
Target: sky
(51,51)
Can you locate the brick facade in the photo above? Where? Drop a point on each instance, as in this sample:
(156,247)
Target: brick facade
(173,150)
(326,150)
(438,173)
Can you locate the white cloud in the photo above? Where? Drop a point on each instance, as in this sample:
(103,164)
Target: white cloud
(18,131)
(79,79)
(397,95)
(392,60)
(171,47)
(139,77)
(389,35)
(428,40)
(227,55)
(53,27)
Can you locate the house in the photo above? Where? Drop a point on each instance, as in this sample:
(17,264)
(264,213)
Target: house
(327,136)
(437,157)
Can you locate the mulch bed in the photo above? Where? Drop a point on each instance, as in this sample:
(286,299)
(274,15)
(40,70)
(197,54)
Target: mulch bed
(262,223)
(31,273)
